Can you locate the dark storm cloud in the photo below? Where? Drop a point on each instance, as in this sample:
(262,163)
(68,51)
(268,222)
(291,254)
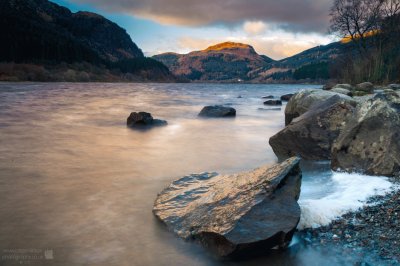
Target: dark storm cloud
(294,15)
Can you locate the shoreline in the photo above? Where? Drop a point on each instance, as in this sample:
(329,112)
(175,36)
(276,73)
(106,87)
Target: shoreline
(372,232)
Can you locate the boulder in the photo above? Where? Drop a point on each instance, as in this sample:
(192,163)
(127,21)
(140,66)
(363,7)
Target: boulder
(143,119)
(303,100)
(311,135)
(268,97)
(273,102)
(234,215)
(360,93)
(286,97)
(342,91)
(343,86)
(370,141)
(394,86)
(217,111)
(367,87)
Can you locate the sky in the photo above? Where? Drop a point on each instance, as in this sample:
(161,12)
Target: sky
(275,28)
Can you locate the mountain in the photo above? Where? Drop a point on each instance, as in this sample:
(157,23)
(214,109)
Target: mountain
(230,61)
(226,62)
(42,33)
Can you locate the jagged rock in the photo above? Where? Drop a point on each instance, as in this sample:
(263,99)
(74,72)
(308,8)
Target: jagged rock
(217,111)
(303,100)
(141,119)
(311,135)
(367,87)
(343,86)
(286,97)
(342,91)
(273,102)
(238,214)
(370,141)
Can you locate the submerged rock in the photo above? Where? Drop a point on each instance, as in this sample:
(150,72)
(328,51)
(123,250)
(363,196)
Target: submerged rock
(268,97)
(234,215)
(217,111)
(273,102)
(311,135)
(303,100)
(370,141)
(286,97)
(141,119)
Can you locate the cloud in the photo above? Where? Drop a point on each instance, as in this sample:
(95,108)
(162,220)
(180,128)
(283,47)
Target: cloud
(254,27)
(293,15)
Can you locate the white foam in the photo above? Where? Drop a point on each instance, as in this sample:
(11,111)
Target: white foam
(349,194)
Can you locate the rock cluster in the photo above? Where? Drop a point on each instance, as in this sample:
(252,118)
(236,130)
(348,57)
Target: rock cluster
(359,135)
(235,215)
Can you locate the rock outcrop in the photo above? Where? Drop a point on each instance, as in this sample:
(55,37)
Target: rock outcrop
(342,91)
(217,111)
(234,215)
(370,141)
(311,135)
(143,119)
(303,100)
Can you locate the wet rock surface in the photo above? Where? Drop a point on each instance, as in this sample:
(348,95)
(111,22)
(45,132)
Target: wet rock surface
(370,141)
(311,135)
(143,119)
(303,100)
(217,111)
(234,215)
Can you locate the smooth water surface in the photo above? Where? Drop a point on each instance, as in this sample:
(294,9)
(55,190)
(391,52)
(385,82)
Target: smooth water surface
(76,180)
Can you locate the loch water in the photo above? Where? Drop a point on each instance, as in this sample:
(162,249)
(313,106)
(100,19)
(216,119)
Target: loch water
(76,181)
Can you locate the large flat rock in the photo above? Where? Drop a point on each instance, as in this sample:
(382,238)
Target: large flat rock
(238,214)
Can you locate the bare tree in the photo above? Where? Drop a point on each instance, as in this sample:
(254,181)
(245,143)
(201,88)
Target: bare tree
(356,19)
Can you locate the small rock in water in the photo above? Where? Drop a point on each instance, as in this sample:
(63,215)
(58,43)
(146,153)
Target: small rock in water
(286,97)
(273,102)
(143,119)
(217,111)
(268,97)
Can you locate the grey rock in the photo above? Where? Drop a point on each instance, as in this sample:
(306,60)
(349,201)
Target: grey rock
(311,135)
(365,87)
(234,215)
(273,102)
(268,97)
(303,100)
(370,141)
(143,119)
(217,111)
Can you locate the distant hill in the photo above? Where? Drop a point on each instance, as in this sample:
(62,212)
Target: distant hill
(227,62)
(42,33)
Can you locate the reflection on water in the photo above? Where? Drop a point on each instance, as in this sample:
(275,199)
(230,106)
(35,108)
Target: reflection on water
(74,179)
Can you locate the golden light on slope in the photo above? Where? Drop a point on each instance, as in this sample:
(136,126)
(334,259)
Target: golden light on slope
(227,45)
(348,38)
